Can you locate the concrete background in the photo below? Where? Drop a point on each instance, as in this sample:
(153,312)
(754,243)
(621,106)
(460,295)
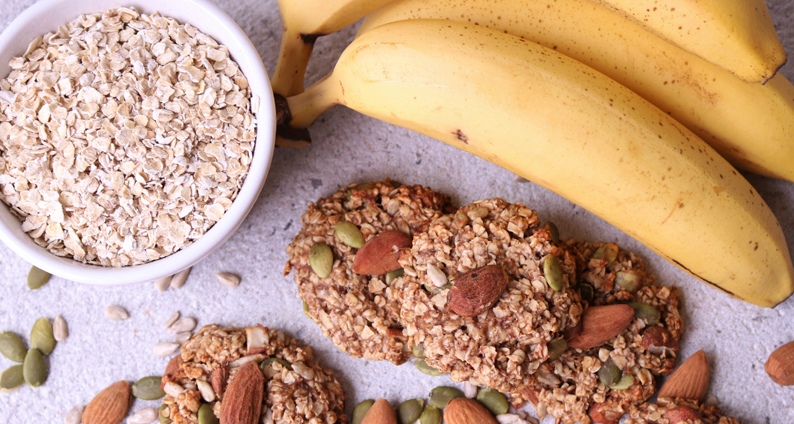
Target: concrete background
(349,147)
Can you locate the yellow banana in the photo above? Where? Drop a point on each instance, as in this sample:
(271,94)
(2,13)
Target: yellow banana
(737,35)
(303,22)
(571,130)
(751,125)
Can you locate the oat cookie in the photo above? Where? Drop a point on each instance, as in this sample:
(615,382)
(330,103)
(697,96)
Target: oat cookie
(650,413)
(297,389)
(359,312)
(496,348)
(568,388)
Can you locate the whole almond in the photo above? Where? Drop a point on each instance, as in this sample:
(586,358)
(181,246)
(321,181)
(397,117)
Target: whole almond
(381,253)
(599,415)
(780,365)
(690,380)
(467,411)
(477,290)
(110,406)
(242,402)
(658,337)
(380,412)
(173,371)
(218,380)
(682,414)
(600,324)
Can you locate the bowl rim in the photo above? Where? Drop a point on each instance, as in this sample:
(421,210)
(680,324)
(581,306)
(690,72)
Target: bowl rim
(240,46)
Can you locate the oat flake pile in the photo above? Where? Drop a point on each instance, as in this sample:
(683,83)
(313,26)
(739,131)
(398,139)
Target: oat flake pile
(123,137)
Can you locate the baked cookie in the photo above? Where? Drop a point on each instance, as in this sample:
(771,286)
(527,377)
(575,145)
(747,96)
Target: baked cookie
(504,342)
(359,313)
(296,389)
(666,410)
(573,387)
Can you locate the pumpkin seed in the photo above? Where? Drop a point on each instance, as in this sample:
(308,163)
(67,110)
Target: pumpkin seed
(422,366)
(410,410)
(148,388)
(34,368)
(164,418)
(206,415)
(625,382)
(392,275)
(306,309)
(440,396)
(554,232)
(493,401)
(37,278)
(360,410)
(269,361)
(646,312)
(41,336)
(553,272)
(627,280)
(11,378)
(349,234)
(12,347)
(321,259)
(431,415)
(586,292)
(418,351)
(556,348)
(608,251)
(609,374)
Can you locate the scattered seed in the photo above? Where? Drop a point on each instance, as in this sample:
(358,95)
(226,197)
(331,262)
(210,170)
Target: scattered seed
(183,325)
(469,390)
(206,415)
(554,232)
(430,415)
(178,280)
(161,284)
(306,309)
(228,279)
(144,416)
(41,336)
(609,374)
(436,275)
(148,388)
(628,280)
(440,396)
(625,382)
(349,234)
(171,320)
(116,313)
(75,415)
(164,349)
(360,410)
(493,401)
(519,179)
(11,379)
(711,400)
(34,368)
(553,272)
(646,312)
(37,278)
(59,329)
(392,275)
(321,259)
(418,351)
(608,251)
(422,366)
(207,393)
(410,410)
(183,337)
(12,347)
(556,348)
(164,414)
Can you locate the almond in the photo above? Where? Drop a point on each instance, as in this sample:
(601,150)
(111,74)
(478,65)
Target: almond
(381,253)
(655,338)
(780,365)
(682,414)
(690,381)
(601,416)
(242,402)
(467,411)
(477,290)
(218,380)
(110,406)
(600,324)
(380,412)
(173,371)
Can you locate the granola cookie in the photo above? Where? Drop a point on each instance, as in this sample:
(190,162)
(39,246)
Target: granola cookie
(359,313)
(499,347)
(657,413)
(568,387)
(297,389)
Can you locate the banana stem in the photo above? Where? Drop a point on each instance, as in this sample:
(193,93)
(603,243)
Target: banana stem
(293,58)
(306,107)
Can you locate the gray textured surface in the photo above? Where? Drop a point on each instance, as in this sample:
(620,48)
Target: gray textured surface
(349,147)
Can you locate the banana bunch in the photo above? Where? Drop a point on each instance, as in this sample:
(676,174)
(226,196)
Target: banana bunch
(571,129)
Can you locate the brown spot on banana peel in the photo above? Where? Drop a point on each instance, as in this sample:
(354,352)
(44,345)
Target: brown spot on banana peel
(462,137)
(680,265)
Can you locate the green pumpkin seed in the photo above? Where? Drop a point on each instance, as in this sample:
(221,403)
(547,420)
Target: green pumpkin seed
(627,280)
(418,351)
(646,312)
(410,410)
(148,388)
(556,348)
(440,396)
(11,378)
(421,365)
(306,309)
(362,186)
(431,415)
(553,272)
(554,232)
(34,368)
(37,278)
(12,347)
(493,401)
(360,410)
(625,382)
(41,336)
(206,415)
(609,374)
(392,275)
(269,361)
(164,419)
(608,251)
(586,292)
(349,234)
(321,259)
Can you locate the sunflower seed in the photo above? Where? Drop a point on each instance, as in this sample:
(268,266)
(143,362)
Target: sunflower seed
(144,416)
(228,279)
(165,349)
(179,278)
(171,320)
(116,313)
(59,329)
(183,325)
(206,390)
(181,338)
(469,390)
(75,415)
(436,275)
(161,284)
(172,389)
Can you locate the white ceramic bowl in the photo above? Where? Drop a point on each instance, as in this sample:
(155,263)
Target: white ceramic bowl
(48,15)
